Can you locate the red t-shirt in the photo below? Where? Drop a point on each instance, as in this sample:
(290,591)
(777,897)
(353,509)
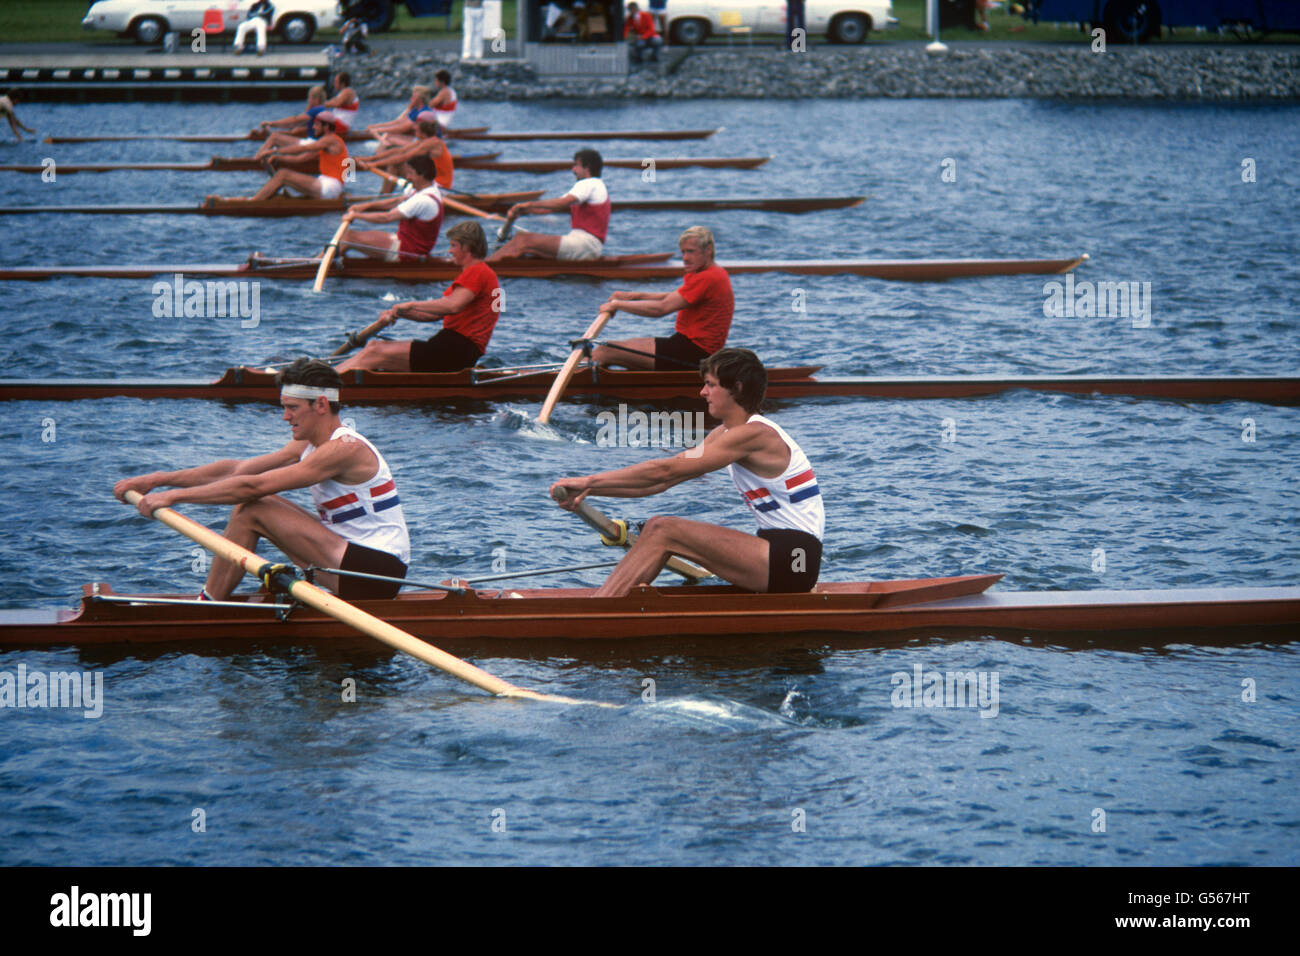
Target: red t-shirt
(707,320)
(477,320)
(644,25)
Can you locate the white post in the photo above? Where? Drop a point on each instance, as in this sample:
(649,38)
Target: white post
(932,27)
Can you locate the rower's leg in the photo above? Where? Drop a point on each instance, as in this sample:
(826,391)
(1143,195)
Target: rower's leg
(304,183)
(374,243)
(529,244)
(296,532)
(610,355)
(380,356)
(271,187)
(732,555)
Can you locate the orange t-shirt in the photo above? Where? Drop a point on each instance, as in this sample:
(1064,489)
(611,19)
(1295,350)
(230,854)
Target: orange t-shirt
(707,319)
(477,320)
(331,164)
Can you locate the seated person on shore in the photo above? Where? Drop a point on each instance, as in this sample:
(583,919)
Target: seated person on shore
(704,304)
(358,525)
(429,143)
(331,153)
(770,471)
(644,35)
(588,204)
(418,215)
(468,311)
(257,20)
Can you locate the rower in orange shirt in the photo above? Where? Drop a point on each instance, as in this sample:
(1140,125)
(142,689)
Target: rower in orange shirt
(332,154)
(429,144)
(704,304)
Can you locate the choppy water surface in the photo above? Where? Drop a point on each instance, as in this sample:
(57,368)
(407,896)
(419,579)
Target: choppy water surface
(746,742)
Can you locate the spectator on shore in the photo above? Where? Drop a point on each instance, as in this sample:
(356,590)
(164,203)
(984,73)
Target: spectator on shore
(794,20)
(259,21)
(471,47)
(644,34)
(657,8)
(353,36)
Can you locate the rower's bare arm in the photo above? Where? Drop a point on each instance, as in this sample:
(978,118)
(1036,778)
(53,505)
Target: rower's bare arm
(206,474)
(666,303)
(721,448)
(330,460)
(388,215)
(435,310)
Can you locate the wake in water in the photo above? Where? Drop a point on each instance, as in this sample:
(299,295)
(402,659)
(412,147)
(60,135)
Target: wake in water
(526,424)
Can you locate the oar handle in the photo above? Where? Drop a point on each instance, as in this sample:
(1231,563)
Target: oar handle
(358,339)
(615,532)
(312,596)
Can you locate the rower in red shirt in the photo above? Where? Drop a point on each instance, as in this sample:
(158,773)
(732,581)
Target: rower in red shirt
(468,311)
(647,35)
(703,303)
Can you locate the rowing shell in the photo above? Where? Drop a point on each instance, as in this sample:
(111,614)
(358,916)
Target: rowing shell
(482,161)
(401,388)
(567,614)
(253,136)
(635,268)
(278,206)
(475,132)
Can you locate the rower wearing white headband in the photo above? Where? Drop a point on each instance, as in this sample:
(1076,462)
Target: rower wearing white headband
(358,525)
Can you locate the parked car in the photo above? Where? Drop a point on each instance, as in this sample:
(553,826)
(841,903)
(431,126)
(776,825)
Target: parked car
(843,21)
(296,21)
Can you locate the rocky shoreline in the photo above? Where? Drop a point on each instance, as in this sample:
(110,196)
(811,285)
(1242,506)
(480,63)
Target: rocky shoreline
(1188,73)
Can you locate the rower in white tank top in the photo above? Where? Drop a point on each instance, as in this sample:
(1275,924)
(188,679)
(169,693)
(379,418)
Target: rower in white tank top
(792,499)
(368,514)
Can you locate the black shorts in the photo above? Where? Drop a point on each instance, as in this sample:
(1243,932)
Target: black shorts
(677,353)
(369,561)
(447,351)
(782,561)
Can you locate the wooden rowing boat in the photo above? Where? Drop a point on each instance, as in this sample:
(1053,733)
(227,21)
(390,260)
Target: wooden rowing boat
(358,136)
(256,136)
(582,135)
(279,206)
(273,208)
(630,268)
(559,165)
(799,383)
(217,164)
(481,161)
(568,614)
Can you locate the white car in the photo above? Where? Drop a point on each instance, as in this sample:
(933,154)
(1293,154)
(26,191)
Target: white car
(147,20)
(843,21)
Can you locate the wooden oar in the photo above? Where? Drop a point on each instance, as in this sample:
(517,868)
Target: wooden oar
(447,201)
(566,372)
(358,339)
(326,259)
(616,533)
(327,603)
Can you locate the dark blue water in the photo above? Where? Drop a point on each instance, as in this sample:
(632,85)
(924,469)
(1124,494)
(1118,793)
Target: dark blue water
(744,739)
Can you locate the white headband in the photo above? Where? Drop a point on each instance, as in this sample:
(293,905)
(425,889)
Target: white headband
(310,392)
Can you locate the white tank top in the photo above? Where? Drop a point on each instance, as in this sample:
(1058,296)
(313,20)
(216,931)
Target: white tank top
(446,113)
(370,513)
(790,500)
